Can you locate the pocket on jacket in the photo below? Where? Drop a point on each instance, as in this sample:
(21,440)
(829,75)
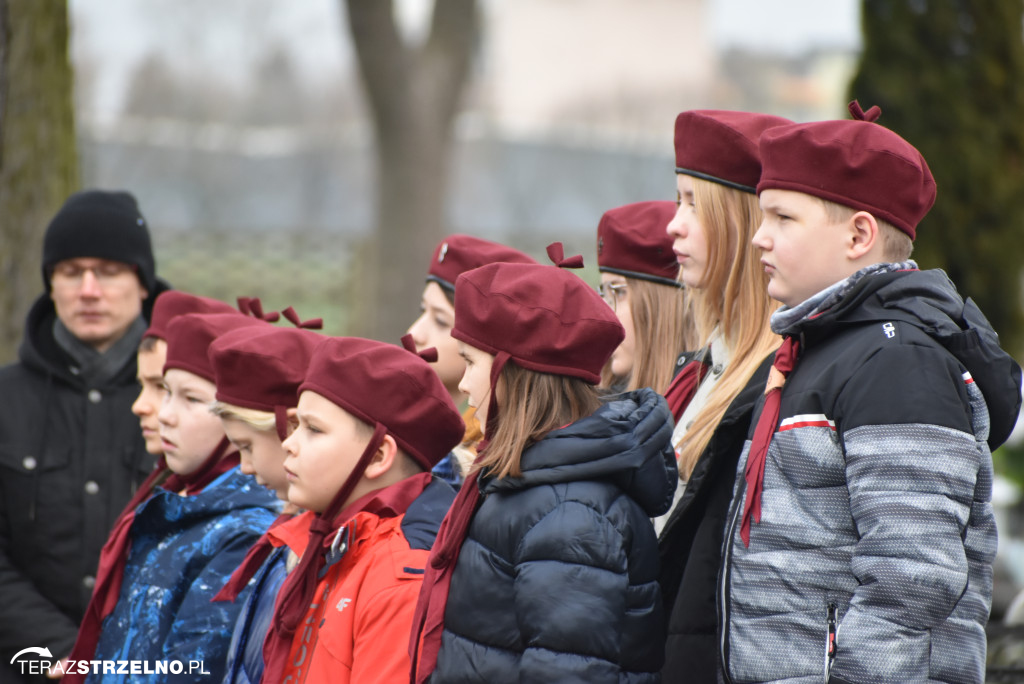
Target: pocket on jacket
(28,462)
(24,475)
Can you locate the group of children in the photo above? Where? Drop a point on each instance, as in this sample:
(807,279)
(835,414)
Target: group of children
(759,452)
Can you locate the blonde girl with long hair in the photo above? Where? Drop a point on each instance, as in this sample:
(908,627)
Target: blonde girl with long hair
(638,280)
(717,170)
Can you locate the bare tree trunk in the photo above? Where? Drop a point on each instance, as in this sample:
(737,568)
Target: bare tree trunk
(38,165)
(414,96)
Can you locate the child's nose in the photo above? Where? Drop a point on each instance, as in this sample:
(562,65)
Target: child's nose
(677,226)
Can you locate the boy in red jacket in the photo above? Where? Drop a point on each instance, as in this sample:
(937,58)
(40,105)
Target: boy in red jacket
(373,420)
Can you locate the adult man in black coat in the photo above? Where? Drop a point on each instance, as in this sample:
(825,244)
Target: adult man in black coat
(71,452)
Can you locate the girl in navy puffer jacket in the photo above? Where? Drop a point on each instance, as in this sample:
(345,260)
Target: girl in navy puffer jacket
(546,567)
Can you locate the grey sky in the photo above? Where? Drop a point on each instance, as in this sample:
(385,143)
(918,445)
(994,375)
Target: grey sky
(789,26)
(232,34)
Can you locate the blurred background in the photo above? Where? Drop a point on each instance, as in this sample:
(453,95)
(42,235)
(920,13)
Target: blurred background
(313,153)
(247,132)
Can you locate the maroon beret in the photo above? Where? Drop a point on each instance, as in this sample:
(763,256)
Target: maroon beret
(174,303)
(632,241)
(721,146)
(382,383)
(262,369)
(545,318)
(856,163)
(189,337)
(457,254)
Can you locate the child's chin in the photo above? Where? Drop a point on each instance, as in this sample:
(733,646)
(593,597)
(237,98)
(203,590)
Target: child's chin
(179,466)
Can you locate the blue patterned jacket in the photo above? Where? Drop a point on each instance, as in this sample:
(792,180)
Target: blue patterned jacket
(877,530)
(245,654)
(184,548)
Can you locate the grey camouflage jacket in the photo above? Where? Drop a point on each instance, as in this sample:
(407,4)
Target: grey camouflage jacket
(877,531)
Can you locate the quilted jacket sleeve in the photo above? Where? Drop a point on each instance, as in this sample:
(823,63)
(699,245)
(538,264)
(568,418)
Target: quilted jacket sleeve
(570,594)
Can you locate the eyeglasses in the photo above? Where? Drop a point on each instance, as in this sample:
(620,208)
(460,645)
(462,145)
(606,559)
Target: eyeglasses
(69,273)
(612,293)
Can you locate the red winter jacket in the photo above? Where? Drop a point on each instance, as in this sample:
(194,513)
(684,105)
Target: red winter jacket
(357,628)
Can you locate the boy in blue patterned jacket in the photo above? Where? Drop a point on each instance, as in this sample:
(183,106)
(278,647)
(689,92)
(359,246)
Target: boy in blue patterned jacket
(860,539)
(186,539)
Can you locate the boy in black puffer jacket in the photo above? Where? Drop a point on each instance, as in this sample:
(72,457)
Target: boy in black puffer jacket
(860,540)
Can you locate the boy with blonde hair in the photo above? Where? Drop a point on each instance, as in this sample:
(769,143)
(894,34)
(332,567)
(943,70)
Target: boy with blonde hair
(860,539)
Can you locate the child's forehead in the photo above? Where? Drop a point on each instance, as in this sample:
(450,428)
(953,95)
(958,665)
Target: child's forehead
(181,378)
(311,402)
(469,350)
(315,405)
(791,200)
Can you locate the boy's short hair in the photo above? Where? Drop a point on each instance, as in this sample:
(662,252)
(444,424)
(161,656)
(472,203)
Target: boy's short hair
(405,463)
(896,244)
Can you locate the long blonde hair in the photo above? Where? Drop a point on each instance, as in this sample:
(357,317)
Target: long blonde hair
(662,328)
(733,298)
(530,405)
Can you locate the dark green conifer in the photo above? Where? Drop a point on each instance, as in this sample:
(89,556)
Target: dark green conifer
(949,77)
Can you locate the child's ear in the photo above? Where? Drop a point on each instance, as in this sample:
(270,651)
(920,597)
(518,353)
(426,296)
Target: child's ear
(383,460)
(863,235)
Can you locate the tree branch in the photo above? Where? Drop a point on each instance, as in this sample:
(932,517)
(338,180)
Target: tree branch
(448,54)
(383,58)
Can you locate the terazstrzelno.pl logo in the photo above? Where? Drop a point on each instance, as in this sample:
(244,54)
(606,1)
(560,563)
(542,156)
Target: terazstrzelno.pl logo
(45,665)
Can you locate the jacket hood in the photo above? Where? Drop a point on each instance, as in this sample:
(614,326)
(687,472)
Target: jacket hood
(422,519)
(627,441)
(233,491)
(929,301)
(40,351)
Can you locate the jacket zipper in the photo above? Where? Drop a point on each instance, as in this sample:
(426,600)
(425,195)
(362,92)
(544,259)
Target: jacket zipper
(831,640)
(723,585)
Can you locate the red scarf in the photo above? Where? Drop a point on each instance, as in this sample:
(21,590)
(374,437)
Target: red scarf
(114,555)
(428,620)
(785,361)
(297,591)
(682,388)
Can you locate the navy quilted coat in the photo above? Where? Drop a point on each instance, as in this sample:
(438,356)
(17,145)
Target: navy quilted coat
(557,578)
(245,654)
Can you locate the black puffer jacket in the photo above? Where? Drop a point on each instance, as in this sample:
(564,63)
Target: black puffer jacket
(872,560)
(557,578)
(70,458)
(691,544)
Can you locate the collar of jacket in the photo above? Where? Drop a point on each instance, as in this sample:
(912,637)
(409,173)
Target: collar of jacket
(628,441)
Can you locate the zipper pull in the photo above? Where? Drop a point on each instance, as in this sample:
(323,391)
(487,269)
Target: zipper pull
(831,643)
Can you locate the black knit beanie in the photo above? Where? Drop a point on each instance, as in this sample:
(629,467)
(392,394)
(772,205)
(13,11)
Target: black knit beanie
(100,225)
